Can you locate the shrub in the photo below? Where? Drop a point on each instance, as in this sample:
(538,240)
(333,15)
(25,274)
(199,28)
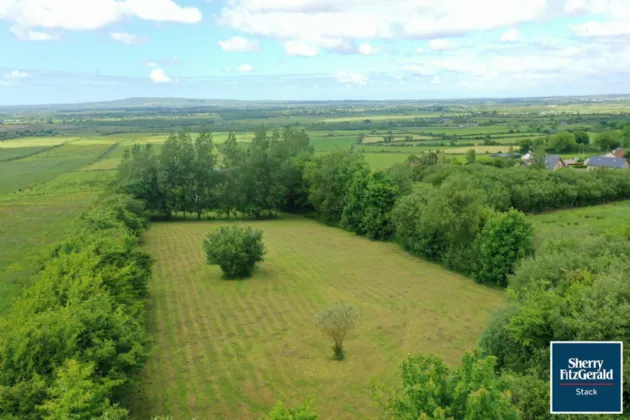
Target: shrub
(280,412)
(431,390)
(335,322)
(236,250)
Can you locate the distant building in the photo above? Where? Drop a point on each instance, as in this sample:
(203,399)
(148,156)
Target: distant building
(597,162)
(618,153)
(554,162)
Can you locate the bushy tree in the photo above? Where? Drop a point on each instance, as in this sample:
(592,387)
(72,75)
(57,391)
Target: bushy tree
(402,175)
(354,210)
(505,239)
(430,390)
(582,137)
(236,250)
(335,322)
(380,197)
(328,178)
(607,141)
(563,142)
(471,156)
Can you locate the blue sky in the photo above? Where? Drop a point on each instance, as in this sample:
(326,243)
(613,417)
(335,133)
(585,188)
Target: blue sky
(60,51)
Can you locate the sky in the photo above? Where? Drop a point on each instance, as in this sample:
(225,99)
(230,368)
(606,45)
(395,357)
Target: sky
(68,51)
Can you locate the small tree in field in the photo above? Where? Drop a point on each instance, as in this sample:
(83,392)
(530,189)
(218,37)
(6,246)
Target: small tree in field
(236,250)
(335,322)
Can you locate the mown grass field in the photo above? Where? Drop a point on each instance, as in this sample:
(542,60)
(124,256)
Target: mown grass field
(230,349)
(577,223)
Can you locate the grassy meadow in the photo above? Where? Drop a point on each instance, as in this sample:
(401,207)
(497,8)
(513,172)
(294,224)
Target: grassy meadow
(229,349)
(576,223)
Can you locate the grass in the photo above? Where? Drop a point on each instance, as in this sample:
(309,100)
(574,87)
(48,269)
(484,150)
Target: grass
(230,349)
(581,222)
(27,172)
(379,161)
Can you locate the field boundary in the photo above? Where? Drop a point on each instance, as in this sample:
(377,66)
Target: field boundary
(46,149)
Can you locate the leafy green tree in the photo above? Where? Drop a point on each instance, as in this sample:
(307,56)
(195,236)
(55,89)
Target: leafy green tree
(402,175)
(360,138)
(624,138)
(582,137)
(430,390)
(232,153)
(471,156)
(328,178)
(75,394)
(504,240)
(538,158)
(170,177)
(525,146)
(204,174)
(607,141)
(354,210)
(563,142)
(280,412)
(379,200)
(335,322)
(236,250)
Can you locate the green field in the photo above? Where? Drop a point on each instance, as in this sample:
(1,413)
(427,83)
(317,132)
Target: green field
(229,349)
(576,223)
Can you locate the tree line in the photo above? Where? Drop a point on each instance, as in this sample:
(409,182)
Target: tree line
(532,191)
(75,338)
(194,177)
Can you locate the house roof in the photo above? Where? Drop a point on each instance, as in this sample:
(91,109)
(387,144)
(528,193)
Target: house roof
(551,160)
(607,162)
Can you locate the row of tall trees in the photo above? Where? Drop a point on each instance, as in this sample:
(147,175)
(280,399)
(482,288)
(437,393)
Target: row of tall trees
(194,176)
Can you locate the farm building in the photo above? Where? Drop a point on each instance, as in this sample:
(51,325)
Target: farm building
(597,162)
(554,162)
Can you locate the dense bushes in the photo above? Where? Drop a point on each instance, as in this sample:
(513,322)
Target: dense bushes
(454,224)
(535,191)
(236,250)
(76,337)
(430,390)
(572,290)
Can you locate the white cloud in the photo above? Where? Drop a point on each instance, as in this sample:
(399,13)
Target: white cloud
(17,75)
(442,44)
(151,64)
(239,44)
(436,80)
(227,70)
(464,84)
(245,68)
(602,29)
(301,48)
(367,49)
(349,78)
(420,50)
(30,35)
(322,23)
(81,15)
(158,76)
(512,35)
(127,38)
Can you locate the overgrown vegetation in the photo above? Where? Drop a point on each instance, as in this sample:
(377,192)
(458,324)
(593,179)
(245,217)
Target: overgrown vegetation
(74,340)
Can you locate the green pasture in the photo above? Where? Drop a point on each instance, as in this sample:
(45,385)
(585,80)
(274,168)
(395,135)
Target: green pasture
(230,349)
(577,223)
